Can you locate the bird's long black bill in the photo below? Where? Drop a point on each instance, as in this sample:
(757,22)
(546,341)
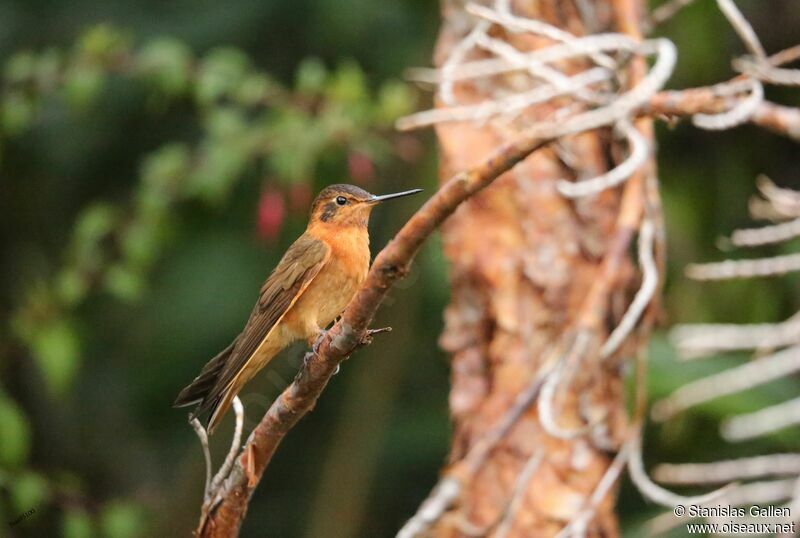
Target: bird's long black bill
(384,197)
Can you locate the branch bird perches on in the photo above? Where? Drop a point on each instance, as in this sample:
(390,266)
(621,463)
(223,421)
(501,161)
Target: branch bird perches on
(224,511)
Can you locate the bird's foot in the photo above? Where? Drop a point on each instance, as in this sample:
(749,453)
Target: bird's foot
(318,340)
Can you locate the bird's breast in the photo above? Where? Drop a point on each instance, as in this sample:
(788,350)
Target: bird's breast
(347,270)
(337,282)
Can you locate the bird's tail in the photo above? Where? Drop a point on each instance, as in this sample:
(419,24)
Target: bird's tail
(201,391)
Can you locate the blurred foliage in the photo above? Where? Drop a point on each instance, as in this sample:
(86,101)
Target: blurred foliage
(149,183)
(247,122)
(248,125)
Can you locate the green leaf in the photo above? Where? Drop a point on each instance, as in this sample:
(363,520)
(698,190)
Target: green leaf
(254,89)
(295,143)
(82,84)
(56,348)
(141,242)
(76,523)
(122,520)
(225,123)
(394,100)
(71,286)
(20,68)
(15,434)
(311,76)
(167,63)
(124,282)
(348,85)
(166,167)
(29,491)
(220,74)
(103,43)
(17,113)
(221,165)
(94,223)
(163,173)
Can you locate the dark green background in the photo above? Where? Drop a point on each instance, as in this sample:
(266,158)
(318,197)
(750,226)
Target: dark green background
(371,450)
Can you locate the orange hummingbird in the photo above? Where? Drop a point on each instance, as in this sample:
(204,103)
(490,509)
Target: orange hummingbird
(311,285)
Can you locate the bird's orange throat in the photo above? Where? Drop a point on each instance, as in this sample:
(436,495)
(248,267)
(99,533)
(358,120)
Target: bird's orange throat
(341,232)
(346,241)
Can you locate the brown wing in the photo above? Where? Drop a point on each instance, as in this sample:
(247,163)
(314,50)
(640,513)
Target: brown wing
(204,383)
(298,267)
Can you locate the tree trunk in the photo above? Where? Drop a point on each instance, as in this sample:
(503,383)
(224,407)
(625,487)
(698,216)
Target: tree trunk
(532,272)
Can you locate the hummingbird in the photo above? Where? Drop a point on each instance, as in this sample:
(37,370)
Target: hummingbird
(308,289)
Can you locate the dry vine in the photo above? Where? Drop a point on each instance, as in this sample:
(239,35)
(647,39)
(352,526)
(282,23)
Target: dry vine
(775,477)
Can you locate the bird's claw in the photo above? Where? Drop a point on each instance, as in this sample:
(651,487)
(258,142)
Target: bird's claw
(315,346)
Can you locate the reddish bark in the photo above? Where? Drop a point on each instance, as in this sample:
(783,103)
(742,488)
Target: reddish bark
(530,271)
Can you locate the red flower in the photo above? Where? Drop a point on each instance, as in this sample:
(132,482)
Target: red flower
(361,167)
(271,214)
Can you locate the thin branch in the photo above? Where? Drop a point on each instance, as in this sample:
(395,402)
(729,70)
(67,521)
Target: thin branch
(739,114)
(536,27)
(520,489)
(582,46)
(443,496)
(702,340)
(546,405)
(578,524)
(536,69)
(656,493)
(203,436)
(719,472)
(762,422)
(456,56)
(667,10)
(760,209)
(504,105)
(743,28)
(622,107)
(643,296)
(777,265)
(730,381)
(639,153)
(767,73)
(721,97)
(777,118)
(786,201)
(238,409)
(766,235)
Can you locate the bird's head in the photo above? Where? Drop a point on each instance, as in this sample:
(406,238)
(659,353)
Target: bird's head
(348,205)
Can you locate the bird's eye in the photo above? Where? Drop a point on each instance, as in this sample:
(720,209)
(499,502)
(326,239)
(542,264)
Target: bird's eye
(341,200)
